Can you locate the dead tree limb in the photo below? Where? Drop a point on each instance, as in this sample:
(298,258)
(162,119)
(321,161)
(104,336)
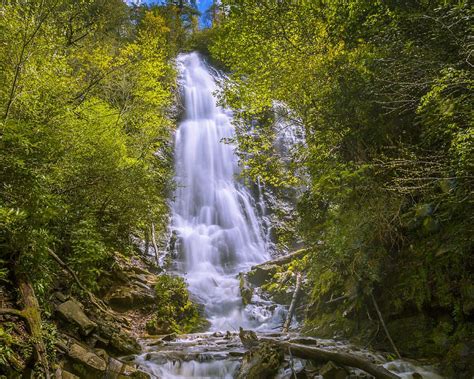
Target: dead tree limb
(98,303)
(341,358)
(286,258)
(155,247)
(385,327)
(294,301)
(307,352)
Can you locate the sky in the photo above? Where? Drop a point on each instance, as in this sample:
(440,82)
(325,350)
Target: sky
(203,6)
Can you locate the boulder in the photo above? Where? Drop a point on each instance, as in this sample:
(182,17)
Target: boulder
(246,290)
(331,371)
(87,358)
(72,312)
(261,273)
(262,362)
(124,344)
(128,297)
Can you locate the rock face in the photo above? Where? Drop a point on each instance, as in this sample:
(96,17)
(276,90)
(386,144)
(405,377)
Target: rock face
(132,287)
(262,362)
(71,311)
(129,297)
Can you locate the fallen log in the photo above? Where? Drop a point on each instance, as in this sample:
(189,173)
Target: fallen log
(345,359)
(280,261)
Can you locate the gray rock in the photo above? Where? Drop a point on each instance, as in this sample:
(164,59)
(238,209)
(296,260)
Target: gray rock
(72,312)
(87,358)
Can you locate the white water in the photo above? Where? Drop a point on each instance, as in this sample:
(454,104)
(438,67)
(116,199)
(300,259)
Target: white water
(219,236)
(213,214)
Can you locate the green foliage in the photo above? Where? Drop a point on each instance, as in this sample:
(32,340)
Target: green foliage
(175,310)
(384,91)
(86,90)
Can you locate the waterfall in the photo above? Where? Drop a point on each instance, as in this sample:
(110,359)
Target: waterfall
(213,214)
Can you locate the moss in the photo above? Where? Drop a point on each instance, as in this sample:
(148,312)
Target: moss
(261,362)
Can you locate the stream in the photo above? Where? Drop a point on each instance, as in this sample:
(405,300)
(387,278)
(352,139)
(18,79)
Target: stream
(219,235)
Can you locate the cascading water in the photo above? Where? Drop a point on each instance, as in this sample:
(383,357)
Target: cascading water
(218,235)
(213,214)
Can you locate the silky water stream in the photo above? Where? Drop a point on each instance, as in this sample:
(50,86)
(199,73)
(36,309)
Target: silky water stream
(218,234)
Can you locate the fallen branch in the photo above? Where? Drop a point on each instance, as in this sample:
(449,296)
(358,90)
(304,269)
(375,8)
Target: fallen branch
(385,327)
(98,303)
(155,247)
(285,259)
(294,300)
(307,352)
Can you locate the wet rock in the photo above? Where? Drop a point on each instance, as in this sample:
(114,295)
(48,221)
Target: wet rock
(129,297)
(246,290)
(261,273)
(248,337)
(236,353)
(88,359)
(120,370)
(72,312)
(331,371)
(169,337)
(261,362)
(129,371)
(118,341)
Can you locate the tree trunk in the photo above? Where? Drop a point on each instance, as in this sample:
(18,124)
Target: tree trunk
(294,301)
(32,314)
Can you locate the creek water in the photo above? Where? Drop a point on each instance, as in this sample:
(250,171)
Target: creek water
(218,235)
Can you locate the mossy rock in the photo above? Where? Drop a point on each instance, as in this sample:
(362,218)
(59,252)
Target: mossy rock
(262,362)
(246,290)
(416,336)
